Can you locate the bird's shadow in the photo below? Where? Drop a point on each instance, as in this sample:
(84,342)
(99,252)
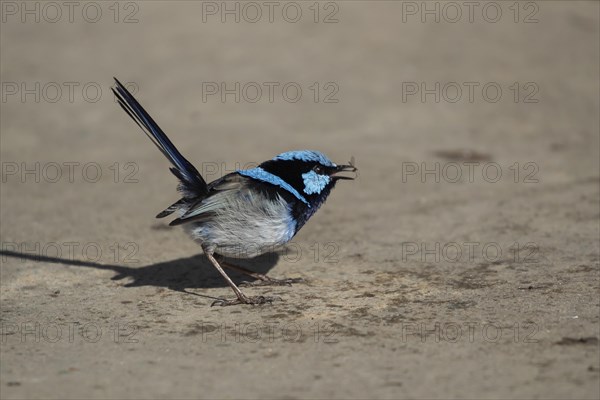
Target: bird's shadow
(194,272)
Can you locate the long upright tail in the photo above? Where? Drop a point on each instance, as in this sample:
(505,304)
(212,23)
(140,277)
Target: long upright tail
(191,182)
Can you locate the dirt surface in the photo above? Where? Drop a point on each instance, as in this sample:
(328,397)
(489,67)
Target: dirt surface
(474,286)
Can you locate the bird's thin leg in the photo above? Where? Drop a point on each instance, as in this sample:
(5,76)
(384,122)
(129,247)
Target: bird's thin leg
(241,297)
(263,280)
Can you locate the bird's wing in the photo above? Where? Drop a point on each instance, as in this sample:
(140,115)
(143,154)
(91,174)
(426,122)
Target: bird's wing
(230,189)
(218,197)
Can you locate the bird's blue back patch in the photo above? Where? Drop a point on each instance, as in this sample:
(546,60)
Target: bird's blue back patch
(306,155)
(261,175)
(314,183)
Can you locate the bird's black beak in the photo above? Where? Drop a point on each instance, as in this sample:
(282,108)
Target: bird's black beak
(345,168)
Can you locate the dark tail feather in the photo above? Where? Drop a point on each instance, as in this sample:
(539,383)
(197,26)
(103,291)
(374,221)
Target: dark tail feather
(192,183)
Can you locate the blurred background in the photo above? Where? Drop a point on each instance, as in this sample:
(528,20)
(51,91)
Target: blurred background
(462,263)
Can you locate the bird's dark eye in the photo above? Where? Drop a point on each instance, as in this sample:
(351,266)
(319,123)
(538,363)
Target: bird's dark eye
(318,169)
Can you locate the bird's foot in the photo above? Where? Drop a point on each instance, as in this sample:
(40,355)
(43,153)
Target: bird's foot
(267,281)
(254,300)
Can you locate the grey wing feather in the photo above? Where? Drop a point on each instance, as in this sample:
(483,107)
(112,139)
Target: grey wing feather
(220,191)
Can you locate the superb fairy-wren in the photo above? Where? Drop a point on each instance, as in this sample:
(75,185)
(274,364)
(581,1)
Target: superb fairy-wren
(247,212)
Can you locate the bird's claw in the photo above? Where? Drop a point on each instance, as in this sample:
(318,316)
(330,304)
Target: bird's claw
(272,282)
(255,300)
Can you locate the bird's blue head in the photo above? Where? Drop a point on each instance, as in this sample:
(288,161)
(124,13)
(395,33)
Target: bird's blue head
(307,175)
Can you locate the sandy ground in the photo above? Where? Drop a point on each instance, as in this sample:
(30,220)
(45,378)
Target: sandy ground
(474,286)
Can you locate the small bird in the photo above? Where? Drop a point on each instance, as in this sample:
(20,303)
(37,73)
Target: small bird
(247,212)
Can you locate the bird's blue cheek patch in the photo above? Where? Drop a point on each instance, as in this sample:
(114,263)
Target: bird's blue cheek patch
(314,183)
